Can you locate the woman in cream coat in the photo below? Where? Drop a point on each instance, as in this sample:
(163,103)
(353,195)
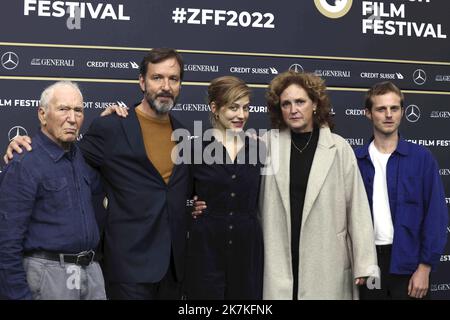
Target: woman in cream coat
(332,249)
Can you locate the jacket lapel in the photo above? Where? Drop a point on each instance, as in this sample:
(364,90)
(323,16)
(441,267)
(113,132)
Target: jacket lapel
(132,129)
(322,162)
(176,168)
(281,157)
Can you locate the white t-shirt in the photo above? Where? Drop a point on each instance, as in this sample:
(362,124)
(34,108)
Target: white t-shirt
(383,227)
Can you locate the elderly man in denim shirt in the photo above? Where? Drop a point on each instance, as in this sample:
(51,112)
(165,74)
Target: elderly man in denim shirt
(407,199)
(47,223)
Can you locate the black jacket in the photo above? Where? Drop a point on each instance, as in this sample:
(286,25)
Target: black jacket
(146,218)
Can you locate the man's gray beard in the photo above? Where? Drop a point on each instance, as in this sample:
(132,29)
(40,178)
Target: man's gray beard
(160,108)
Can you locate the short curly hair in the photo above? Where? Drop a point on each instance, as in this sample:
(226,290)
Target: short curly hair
(314,87)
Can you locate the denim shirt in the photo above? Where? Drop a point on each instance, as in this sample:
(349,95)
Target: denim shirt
(45,205)
(417,203)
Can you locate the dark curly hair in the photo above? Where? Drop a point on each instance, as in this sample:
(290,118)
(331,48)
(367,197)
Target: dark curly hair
(314,87)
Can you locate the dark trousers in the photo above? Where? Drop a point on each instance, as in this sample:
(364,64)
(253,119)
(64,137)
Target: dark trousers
(166,289)
(393,286)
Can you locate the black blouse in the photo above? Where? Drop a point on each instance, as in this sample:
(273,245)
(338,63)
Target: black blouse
(233,187)
(225,252)
(300,166)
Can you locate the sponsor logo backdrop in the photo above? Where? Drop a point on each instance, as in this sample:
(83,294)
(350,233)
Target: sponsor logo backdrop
(351,44)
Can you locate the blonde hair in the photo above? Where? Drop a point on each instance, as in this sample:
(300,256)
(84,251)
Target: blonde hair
(224,91)
(382,88)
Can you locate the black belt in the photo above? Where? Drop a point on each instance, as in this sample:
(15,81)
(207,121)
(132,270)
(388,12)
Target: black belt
(384,249)
(83,259)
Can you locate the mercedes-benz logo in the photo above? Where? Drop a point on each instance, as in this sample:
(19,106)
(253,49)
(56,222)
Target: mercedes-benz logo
(297,68)
(10,60)
(412,113)
(17,131)
(419,77)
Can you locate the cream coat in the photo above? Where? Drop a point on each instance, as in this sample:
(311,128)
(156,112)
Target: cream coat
(336,240)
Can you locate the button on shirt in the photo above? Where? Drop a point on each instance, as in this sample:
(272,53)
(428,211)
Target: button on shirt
(230,188)
(45,205)
(225,243)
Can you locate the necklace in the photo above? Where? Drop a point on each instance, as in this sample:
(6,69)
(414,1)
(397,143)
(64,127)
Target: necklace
(306,145)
